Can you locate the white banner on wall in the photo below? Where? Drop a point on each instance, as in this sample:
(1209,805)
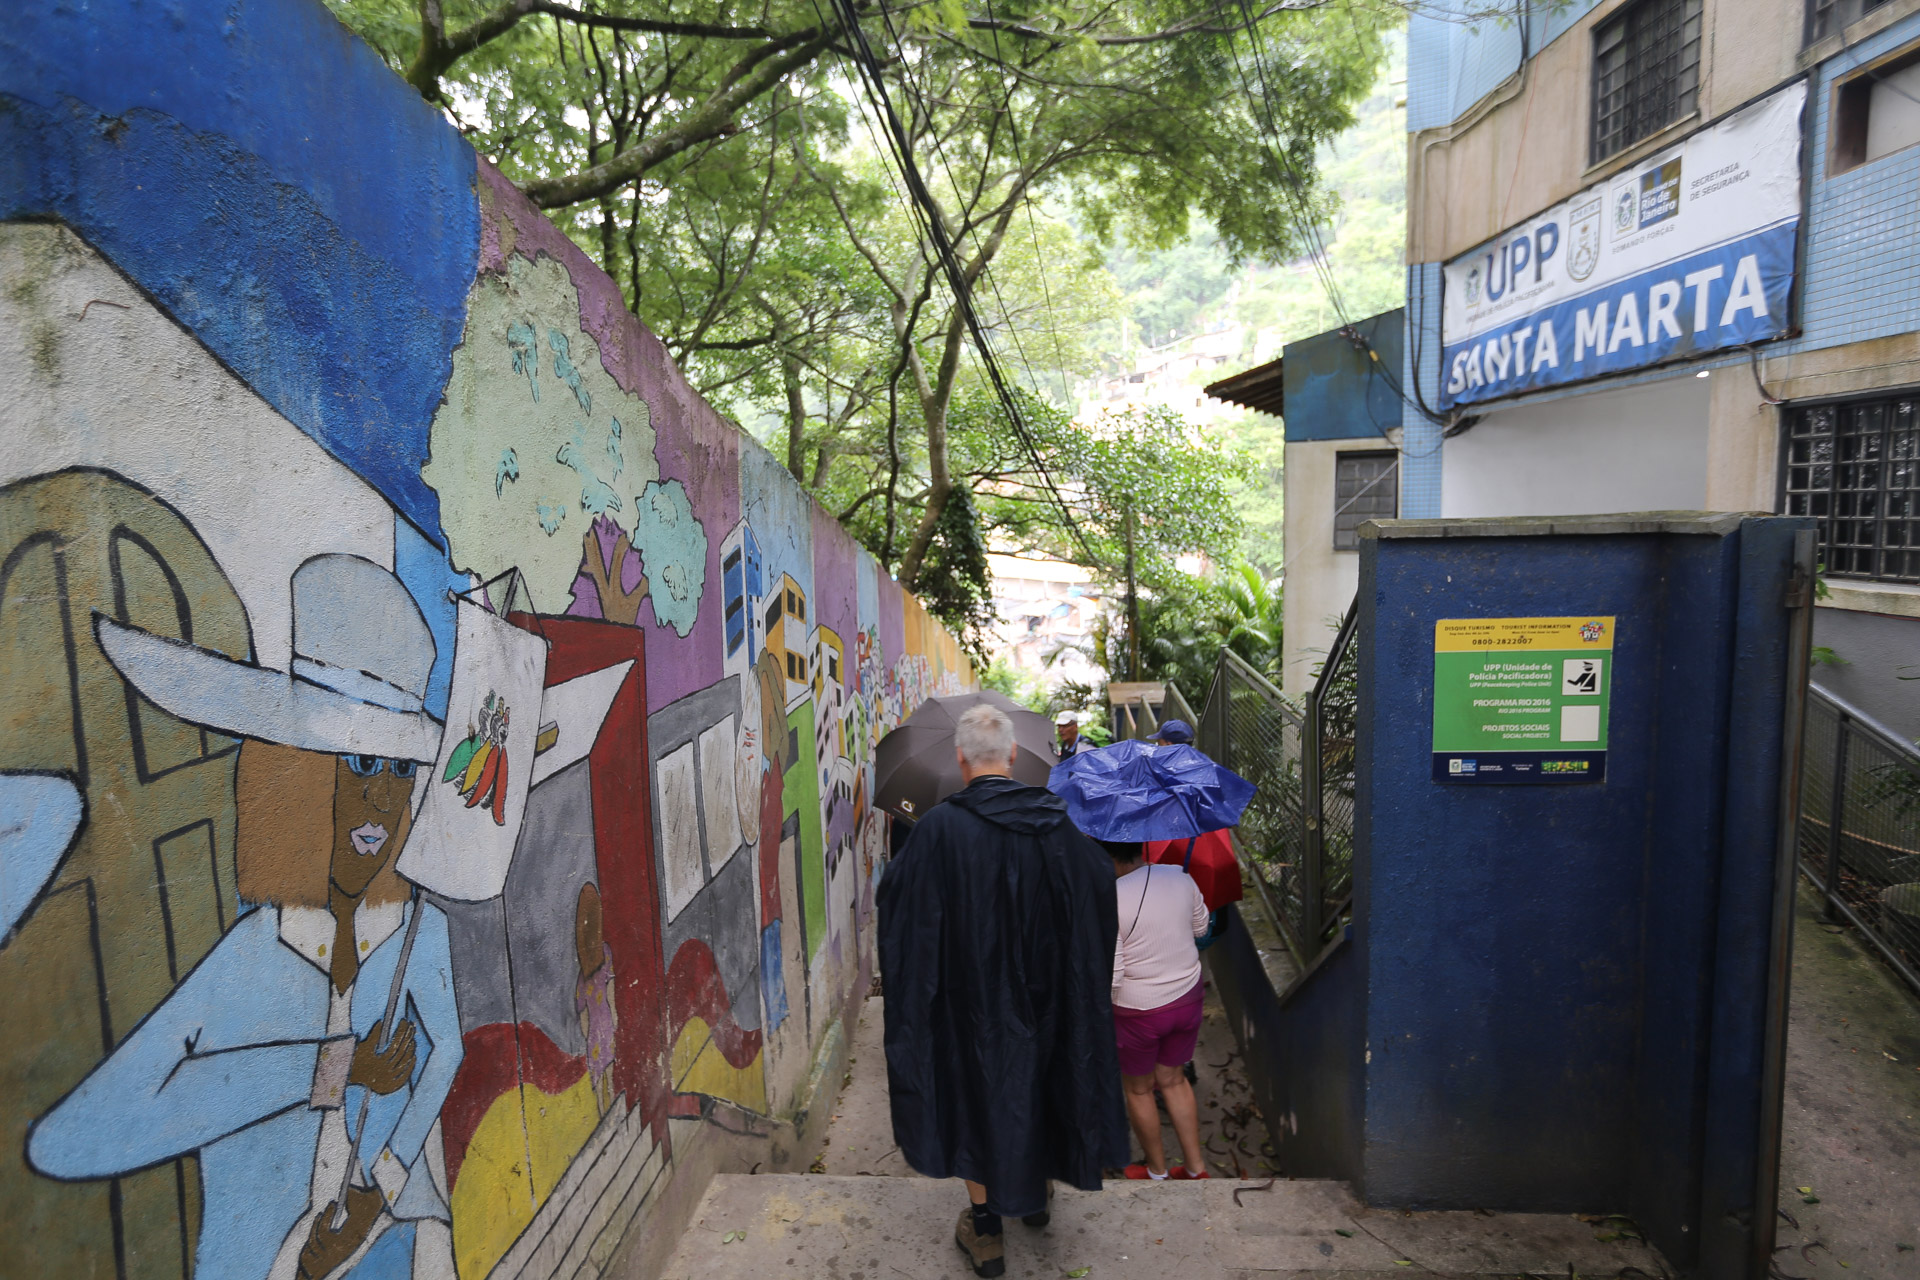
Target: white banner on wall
(1690,250)
(463,838)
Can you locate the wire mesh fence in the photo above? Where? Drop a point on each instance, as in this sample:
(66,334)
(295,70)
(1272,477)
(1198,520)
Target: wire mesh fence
(1297,833)
(1335,708)
(1860,828)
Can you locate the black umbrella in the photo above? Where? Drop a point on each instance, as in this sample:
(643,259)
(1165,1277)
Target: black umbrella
(915,766)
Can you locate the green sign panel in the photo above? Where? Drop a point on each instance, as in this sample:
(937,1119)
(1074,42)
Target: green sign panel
(1521,699)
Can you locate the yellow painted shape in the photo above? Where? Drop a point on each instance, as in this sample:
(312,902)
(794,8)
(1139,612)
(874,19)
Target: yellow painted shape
(496,1196)
(558,1126)
(700,1067)
(1457,635)
(492,1198)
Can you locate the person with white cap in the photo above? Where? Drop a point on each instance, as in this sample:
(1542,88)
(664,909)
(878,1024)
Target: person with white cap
(271,1060)
(1067,726)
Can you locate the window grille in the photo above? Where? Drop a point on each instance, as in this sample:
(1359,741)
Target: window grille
(1855,468)
(1366,486)
(1827,17)
(1646,69)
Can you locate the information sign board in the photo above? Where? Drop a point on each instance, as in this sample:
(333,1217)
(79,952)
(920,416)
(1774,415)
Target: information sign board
(1690,250)
(1521,699)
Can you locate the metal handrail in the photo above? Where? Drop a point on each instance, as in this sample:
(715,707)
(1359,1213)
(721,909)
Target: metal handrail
(1176,702)
(1296,827)
(1889,741)
(1824,867)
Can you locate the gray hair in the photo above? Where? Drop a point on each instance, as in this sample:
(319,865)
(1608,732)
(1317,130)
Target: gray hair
(985,736)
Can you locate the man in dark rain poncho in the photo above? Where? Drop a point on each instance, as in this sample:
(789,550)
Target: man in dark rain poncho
(997,931)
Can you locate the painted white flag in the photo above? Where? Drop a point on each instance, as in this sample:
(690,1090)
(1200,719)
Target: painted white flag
(462,840)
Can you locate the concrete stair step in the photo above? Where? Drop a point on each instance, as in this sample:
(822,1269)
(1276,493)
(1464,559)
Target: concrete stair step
(880,1228)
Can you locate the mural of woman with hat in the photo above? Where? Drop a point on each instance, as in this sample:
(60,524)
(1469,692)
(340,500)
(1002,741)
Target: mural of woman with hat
(271,1060)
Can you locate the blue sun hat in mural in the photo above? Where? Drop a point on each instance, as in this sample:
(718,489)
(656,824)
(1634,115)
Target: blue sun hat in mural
(39,814)
(361,656)
(1148,791)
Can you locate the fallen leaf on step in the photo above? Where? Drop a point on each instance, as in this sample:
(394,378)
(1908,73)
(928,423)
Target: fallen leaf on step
(1077,1272)
(1342,1231)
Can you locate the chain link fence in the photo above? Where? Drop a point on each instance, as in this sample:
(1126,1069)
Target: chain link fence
(1860,828)
(1297,833)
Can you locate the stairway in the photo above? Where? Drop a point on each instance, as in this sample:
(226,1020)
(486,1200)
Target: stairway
(877,1228)
(863,1215)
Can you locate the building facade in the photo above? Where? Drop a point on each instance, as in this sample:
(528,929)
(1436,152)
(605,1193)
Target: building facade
(1340,400)
(1662,256)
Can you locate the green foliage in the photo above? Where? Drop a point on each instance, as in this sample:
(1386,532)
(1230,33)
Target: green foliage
(1252,616)
(956,586)
(1180,636)
(1024,688)
(1145,473)
(1185,289)
(719,166)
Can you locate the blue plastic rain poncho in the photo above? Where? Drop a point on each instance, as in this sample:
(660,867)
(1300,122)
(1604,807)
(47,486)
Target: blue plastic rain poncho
(1143,791)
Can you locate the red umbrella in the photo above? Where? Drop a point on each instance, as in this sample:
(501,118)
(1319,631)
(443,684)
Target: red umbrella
(1212,865)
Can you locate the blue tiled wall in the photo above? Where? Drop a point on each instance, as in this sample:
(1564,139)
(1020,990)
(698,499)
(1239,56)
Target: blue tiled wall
(1452,62)
(1420,439)
(1862,277)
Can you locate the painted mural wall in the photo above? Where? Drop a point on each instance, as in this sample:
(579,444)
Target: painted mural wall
(434,744)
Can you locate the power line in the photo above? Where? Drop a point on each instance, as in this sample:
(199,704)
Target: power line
(918,97)
(874,86)
(1306,227)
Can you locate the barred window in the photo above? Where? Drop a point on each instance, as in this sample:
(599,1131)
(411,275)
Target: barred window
(1825,17)
(1855,468)
(1646,69)
(1366,486)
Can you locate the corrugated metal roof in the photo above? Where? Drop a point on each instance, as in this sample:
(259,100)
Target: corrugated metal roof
(1260,388)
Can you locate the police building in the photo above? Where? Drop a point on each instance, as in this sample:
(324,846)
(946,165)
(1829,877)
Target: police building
(1661,256)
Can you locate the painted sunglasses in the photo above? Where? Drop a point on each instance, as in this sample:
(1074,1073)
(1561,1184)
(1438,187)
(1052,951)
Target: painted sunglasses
(367,766)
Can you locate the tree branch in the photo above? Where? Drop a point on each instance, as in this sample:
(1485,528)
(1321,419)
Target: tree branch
(712,118)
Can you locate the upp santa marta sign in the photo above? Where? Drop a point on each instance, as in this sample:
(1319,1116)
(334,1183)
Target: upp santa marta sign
(1690,250)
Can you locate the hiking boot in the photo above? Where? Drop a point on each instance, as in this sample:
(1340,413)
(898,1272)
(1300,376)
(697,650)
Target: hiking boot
(987,1254)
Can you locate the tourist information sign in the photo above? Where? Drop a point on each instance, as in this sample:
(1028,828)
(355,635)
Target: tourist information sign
(1521,699)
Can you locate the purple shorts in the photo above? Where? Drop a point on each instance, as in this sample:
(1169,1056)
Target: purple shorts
(1163,1036)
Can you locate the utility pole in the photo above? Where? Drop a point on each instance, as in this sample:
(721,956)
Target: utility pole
(1133,603)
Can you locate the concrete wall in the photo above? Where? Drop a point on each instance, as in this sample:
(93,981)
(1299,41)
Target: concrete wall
(1878,667)
(1639,449)
(1320,581)
(259,304)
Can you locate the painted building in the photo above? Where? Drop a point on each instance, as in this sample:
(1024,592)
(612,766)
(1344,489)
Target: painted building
(1340,467)
(404,800)
(1663,255)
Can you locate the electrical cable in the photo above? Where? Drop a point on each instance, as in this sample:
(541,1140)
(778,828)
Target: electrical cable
(874,86)
(1305,227)
(918,100)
